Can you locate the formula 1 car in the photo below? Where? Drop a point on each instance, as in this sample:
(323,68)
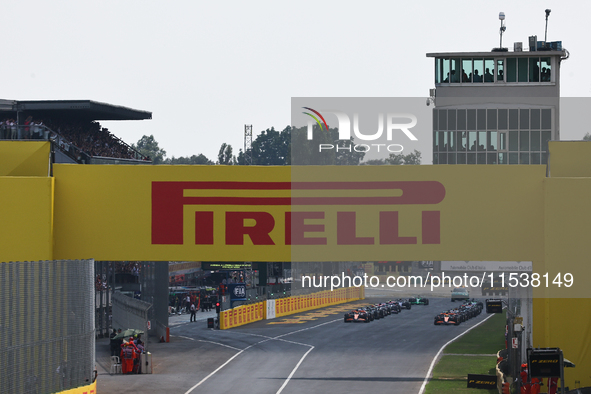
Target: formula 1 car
(418,300)
(357,316)
(385,308)
(394,306)
(371,311)
(448,318)
(404,304)
(379,312)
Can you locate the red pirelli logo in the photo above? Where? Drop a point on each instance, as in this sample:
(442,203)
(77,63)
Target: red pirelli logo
(168,200)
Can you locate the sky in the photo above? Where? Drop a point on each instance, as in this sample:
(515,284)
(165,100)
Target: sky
(205,69)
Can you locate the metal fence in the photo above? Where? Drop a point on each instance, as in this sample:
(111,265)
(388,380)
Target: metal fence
(129,312)
(47,341)
(151,288)
(154,281)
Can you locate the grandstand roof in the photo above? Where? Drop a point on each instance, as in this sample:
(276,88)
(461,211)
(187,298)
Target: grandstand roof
(87,109)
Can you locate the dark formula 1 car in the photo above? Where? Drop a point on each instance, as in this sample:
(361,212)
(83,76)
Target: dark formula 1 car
(394,306)
(385,308)
(448,318)
(404,304)
(357,316)
(371,311)
(418,300)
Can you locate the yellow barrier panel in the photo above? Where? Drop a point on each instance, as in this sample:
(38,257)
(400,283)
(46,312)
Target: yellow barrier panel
(90,389)
(301,303)
(245,314)
(242,315)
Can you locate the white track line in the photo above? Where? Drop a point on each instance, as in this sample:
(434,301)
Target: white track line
(223,365)
(428,377)
(305,329)
(294,370)
(202,340)
(278,338)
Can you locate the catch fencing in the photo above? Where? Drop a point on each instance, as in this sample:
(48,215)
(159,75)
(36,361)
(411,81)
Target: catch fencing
(47,341)
(130,313)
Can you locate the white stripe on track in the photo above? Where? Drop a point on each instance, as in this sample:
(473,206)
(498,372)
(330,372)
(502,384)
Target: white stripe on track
(202,340)
(428,377)
(294,370)
(223,365)
(277,338)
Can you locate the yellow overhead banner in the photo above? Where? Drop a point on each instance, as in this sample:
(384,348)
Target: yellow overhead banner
(328,213)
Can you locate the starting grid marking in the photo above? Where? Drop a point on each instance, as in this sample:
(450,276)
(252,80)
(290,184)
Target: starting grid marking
(315,315)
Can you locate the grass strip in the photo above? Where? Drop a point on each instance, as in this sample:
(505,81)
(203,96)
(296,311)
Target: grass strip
(451,372)
(488,338)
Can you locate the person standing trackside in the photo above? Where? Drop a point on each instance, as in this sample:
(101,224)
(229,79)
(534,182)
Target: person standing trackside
(193,313)
(115,347)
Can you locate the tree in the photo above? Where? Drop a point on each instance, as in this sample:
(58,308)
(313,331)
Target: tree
(195,159)
(225,155)
(413,158)
(271,148)
(375,162)
(148,146)
(587,137)
(308,152)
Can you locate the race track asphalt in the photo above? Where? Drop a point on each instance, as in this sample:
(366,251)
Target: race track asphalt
(324,355)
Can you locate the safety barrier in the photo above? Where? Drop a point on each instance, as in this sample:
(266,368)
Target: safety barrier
(301,303)
(245,314)
(241,315)
(90,389)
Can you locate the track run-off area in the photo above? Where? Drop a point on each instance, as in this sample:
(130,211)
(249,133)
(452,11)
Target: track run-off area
(311,352)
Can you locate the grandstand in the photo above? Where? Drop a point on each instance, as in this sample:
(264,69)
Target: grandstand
(73,128)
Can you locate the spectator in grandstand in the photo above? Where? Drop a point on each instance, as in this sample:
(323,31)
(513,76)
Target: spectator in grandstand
(8,129)
(13,129)
(39,131)
(27,129)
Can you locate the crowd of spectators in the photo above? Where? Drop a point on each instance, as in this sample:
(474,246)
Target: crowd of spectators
(93,139)
(30,129)
(100,282)
(124,267)
(86,136)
